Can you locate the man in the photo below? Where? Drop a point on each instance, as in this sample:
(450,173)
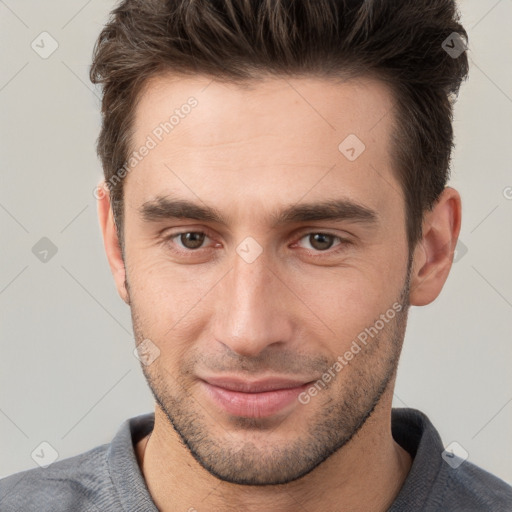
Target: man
(274,201)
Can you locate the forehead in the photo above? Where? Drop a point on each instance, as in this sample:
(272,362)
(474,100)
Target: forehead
(322,105)
(212,138)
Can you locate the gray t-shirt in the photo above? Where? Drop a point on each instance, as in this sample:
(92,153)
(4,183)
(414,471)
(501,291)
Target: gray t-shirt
(108,478)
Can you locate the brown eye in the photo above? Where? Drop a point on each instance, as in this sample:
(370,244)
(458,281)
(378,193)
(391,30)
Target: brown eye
(191,240)
(321,241)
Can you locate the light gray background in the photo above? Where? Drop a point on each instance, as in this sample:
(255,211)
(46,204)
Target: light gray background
(68,374)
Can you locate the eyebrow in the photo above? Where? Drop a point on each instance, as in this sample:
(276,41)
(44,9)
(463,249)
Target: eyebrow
(168,208)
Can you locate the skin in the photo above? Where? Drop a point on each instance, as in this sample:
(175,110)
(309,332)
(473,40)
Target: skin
(250,152)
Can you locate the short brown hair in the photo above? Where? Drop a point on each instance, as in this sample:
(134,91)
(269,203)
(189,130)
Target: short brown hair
(397,41)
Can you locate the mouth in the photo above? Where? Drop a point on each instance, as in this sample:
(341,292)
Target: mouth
(253,399)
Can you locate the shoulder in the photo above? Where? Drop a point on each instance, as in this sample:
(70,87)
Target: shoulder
(470,488)
(76,483)
(439,480)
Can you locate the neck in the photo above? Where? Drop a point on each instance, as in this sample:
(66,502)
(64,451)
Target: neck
(366,474)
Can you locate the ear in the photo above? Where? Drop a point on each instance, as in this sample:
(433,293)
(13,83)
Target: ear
(433,255)
(111,240)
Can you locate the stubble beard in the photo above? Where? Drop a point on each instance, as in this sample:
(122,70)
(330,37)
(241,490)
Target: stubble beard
(343,412)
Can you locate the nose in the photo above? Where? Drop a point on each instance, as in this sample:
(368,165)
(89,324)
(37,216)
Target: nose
(254,310)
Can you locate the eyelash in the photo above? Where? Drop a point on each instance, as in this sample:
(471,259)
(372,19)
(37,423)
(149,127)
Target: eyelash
(343,242)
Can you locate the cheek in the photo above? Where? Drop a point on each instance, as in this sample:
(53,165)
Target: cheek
(167,327)
(164,285)
(349,300)
(346,308)
(170,302)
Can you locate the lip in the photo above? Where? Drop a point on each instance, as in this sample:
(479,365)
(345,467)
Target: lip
(253,399)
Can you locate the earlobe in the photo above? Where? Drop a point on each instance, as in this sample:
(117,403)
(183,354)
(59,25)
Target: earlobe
(111,240)
(433,255)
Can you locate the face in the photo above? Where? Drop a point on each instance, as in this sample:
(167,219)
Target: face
(266,266)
